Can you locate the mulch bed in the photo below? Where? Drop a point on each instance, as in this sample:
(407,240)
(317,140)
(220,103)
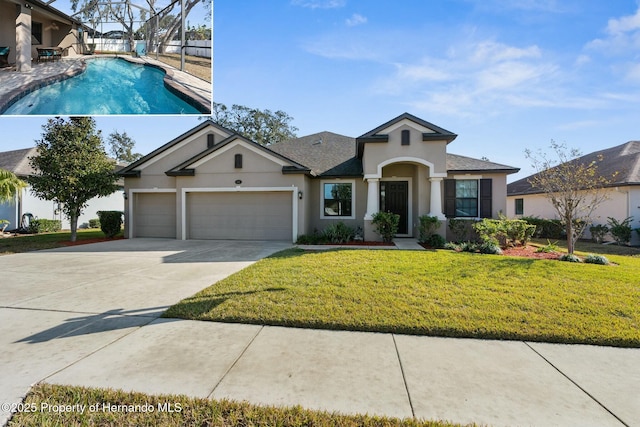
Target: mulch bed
(87,241)
(529,252)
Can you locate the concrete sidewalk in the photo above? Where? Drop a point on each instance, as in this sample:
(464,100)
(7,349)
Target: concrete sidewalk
(496,383)
(88,315)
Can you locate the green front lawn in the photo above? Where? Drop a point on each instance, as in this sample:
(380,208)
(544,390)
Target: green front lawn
(43,403)
(441,293)
(36,242)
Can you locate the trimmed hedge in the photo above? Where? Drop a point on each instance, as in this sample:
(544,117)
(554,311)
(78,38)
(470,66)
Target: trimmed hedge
(110,222)
(45,226)
(94,223)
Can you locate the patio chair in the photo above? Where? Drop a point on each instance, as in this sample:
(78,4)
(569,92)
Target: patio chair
(4,56)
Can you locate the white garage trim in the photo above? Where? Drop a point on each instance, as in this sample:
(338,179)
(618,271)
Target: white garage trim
(130,198)
(294,202)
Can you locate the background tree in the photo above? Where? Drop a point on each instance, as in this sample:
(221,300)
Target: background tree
(262,126)
(573,187)
(72,166)
(10,184)
(121,147)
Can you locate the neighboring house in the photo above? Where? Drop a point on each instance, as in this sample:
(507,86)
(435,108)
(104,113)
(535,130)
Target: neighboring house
(17,161)
(623,192)
(27,25)
(211,183)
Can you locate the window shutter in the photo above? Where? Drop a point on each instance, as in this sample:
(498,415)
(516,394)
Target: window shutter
(485,198)
(406,137)
(450,198)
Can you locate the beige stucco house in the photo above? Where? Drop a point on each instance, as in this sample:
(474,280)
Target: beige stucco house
(211,183)
(27,25)
(623,193)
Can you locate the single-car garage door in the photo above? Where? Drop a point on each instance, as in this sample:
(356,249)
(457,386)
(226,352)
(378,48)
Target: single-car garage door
(240,215)
(154,215)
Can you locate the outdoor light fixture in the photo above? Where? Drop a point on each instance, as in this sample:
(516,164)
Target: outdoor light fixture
(300,195)
(125,195)
(28,6)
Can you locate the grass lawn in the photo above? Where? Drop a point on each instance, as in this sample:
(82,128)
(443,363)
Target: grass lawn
(187,411)
(440,293)
(36,242)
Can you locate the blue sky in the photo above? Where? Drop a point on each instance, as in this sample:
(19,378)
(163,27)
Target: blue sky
(505,75)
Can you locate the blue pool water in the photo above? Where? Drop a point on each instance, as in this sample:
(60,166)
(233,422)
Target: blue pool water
(108,86)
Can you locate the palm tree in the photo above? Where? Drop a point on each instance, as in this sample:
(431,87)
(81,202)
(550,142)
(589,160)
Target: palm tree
(10,184)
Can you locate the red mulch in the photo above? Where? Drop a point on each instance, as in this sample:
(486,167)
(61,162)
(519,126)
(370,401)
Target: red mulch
(354,243)
(87,241)
(529,252)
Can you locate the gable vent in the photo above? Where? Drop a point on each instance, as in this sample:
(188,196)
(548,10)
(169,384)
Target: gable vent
(406,137)
(210,140)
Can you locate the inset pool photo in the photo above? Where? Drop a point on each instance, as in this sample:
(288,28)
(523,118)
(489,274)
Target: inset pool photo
(106,57)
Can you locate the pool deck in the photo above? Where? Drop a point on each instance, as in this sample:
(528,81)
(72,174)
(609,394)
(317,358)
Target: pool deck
(14,85)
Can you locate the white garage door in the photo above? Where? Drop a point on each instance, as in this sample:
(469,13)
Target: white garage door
(240,216)
(154,215)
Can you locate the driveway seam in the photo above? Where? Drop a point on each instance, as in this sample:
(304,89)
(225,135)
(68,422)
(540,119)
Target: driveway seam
(404,377)
(235,362)
(576,384)
(95,351)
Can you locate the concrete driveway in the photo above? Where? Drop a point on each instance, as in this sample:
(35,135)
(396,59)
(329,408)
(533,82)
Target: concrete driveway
(59,306)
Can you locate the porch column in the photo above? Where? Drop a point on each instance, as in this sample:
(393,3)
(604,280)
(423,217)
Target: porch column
(23,38)
(373,198)
(436,198)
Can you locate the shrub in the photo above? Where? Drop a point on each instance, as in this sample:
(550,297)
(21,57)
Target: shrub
(620,230)
(452,246)
(598,232)
(490,248)
(94,223)
(110,222)
(569,258)
(546,228)
(386,224)
(469,246)
(462,229)
(504,232)
(339,232)
(428,226)
(436,241)
(45,226)
(549,247)
(596,259)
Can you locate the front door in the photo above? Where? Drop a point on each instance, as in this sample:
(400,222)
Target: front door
(394,197)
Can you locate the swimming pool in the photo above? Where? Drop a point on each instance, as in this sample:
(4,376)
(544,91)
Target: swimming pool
(108,86)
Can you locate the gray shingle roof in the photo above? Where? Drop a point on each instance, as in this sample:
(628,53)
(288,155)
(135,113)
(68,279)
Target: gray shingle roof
(17,161)
(330,154)
(623,159)
(325,153)
(457,163)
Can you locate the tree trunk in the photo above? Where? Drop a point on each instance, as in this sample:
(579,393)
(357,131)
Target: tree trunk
(570,236)
(74,226)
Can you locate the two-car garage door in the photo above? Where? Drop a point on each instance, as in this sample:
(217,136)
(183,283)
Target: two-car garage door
(264,215)
(260,215)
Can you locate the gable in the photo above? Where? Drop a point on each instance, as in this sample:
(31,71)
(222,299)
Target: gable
(178,150)
(224,160)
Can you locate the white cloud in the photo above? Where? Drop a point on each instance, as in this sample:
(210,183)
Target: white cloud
(490,51)
(624,24)
(623,35)
(582,60)
(356,19)
(319,4)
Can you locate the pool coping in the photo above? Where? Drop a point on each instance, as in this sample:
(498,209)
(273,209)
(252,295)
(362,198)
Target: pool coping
(172,82)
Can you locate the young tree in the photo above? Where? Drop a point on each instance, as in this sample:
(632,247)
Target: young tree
(573,186)
(72,166)
(10,184)
(121,147)
(262,126)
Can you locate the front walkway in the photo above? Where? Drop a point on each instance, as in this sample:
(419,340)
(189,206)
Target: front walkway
(13,85)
